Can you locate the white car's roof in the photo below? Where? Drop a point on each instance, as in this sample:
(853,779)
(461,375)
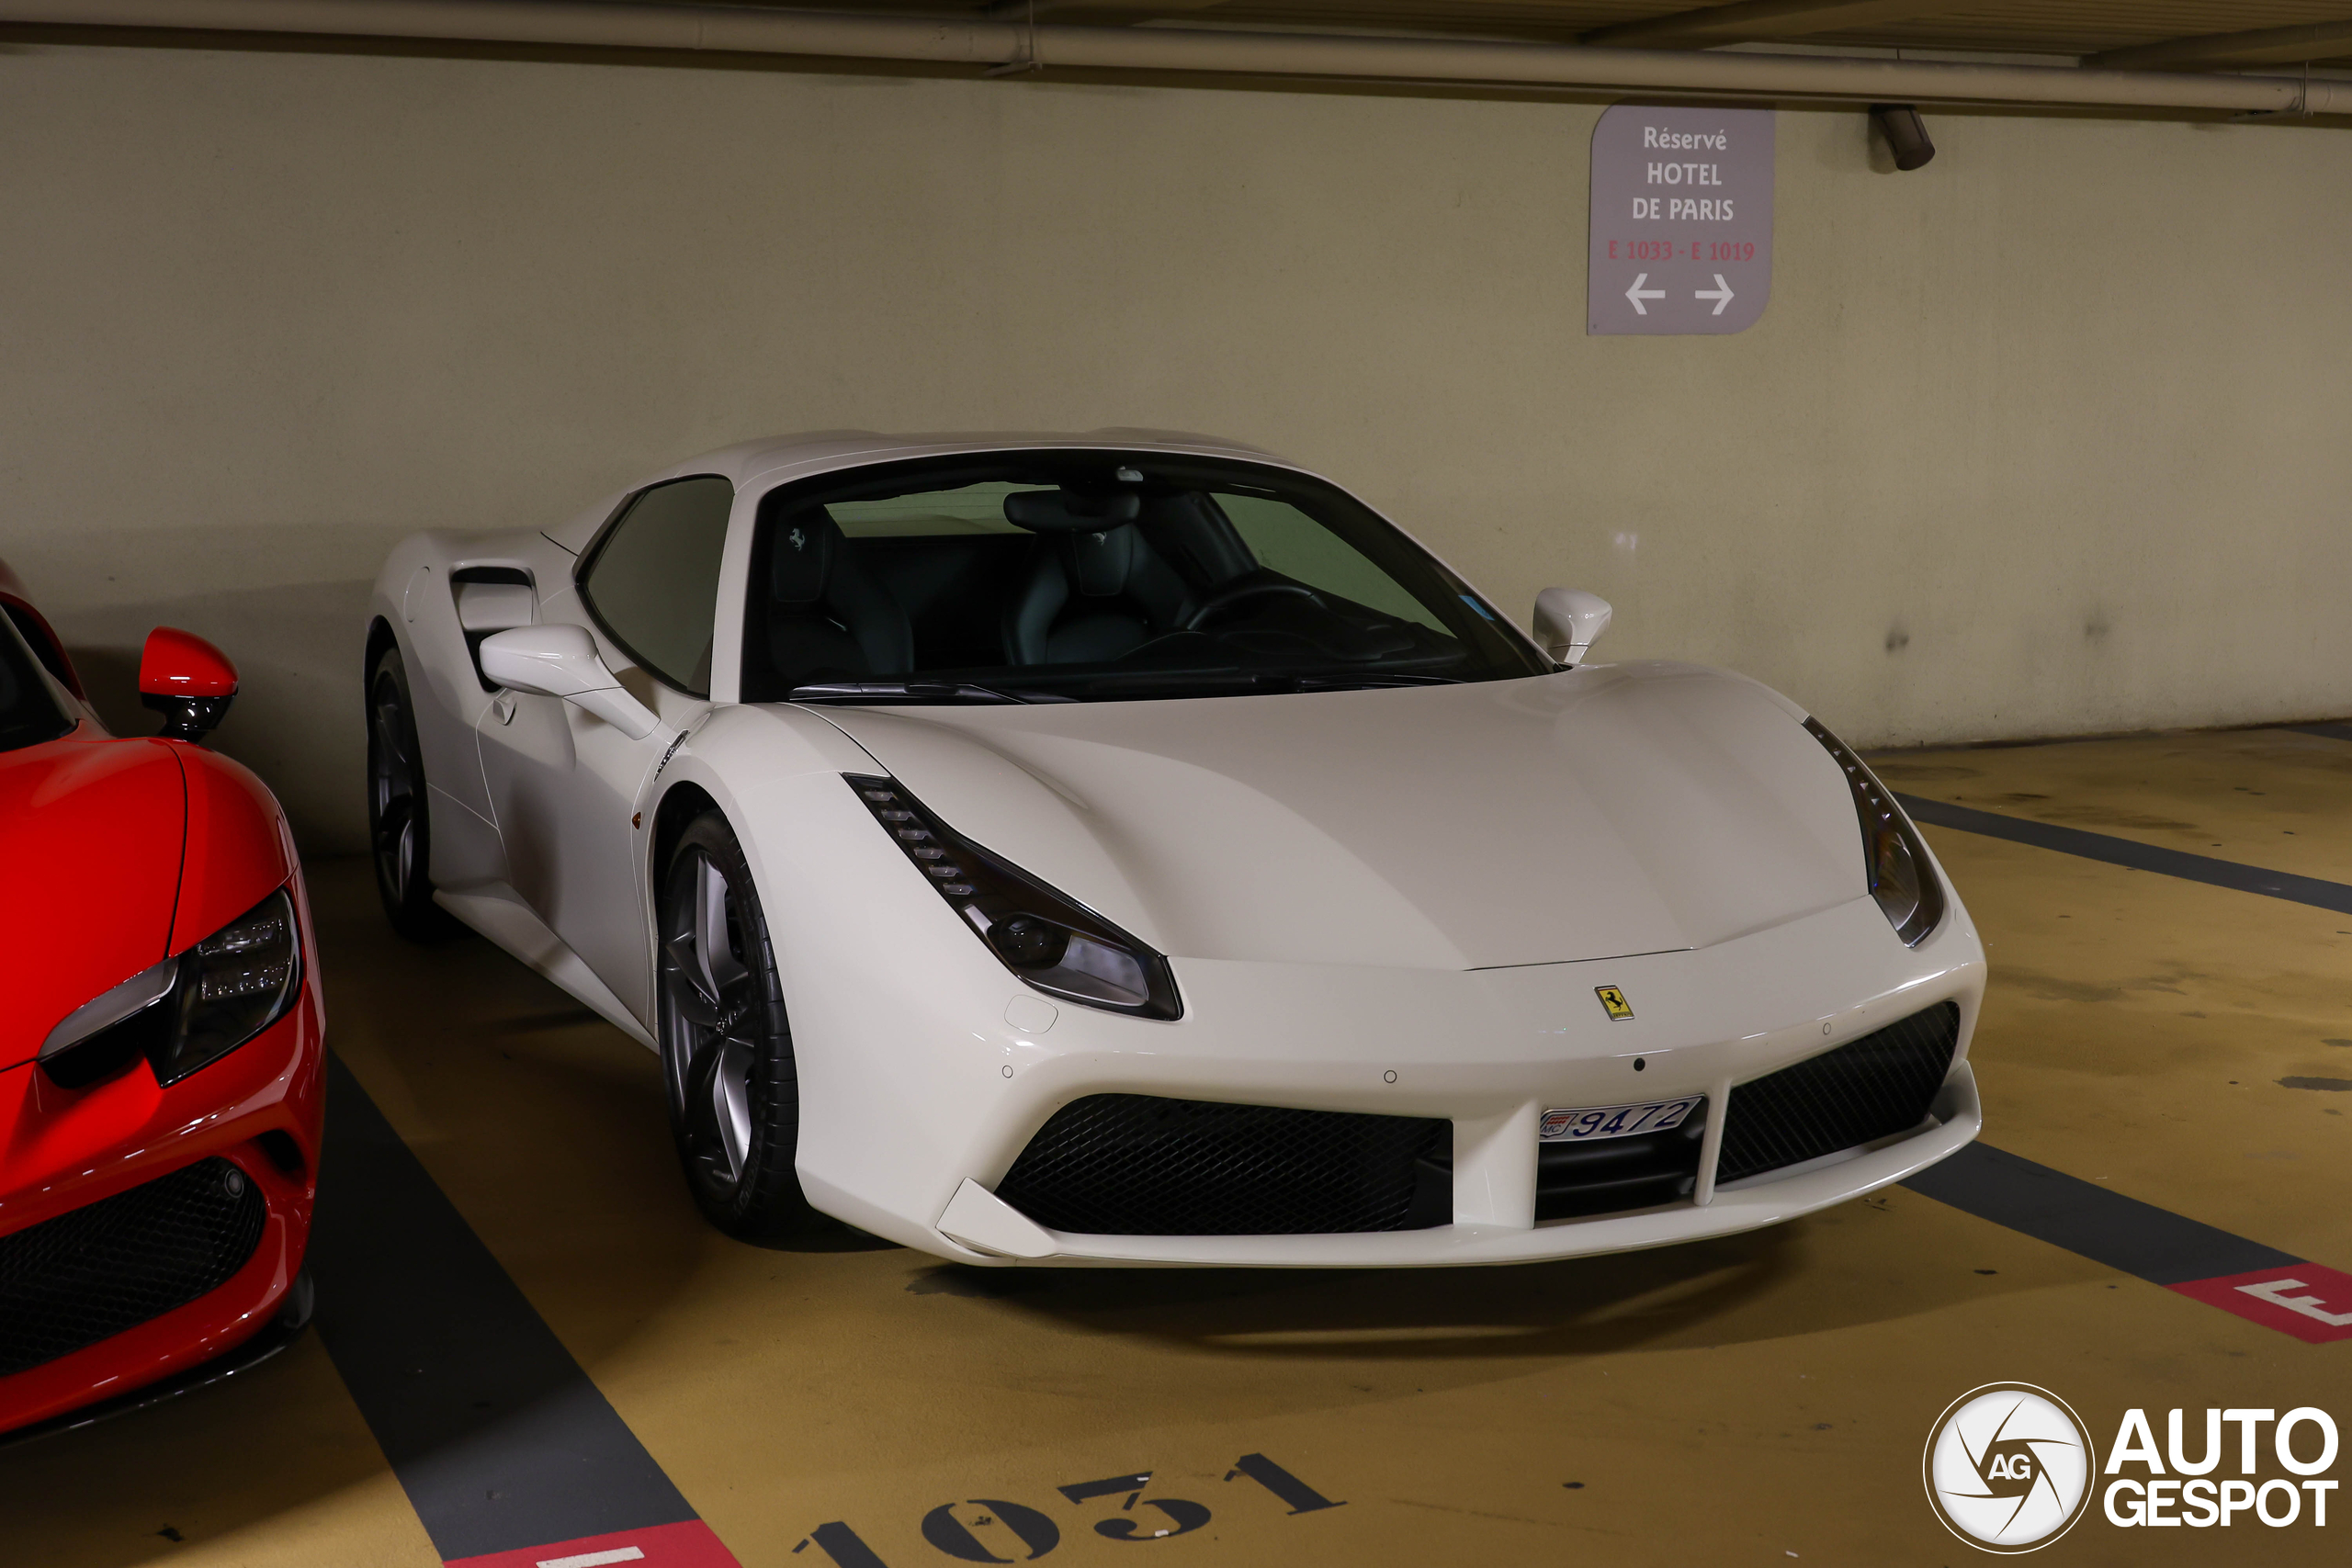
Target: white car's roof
(776,457)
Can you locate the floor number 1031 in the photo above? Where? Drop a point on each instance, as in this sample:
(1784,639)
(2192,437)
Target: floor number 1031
(956,1528)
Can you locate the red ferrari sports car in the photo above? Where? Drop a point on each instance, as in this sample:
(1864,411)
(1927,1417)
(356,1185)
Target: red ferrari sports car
(160,1041)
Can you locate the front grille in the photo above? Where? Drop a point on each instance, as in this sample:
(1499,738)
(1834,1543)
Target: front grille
(1139,1165)
(1608,1176)
(1879,1085)
(69,1282)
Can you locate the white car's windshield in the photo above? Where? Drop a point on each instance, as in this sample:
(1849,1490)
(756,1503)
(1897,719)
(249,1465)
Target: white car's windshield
(1058,576)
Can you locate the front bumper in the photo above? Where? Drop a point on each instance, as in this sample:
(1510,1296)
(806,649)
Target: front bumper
(978,1221)
(259,1108)
(915,1108)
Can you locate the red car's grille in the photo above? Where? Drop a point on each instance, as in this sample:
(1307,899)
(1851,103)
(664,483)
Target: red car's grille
(69,1282)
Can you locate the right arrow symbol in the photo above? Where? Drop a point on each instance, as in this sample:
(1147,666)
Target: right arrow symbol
(1636,293)
(1720,294)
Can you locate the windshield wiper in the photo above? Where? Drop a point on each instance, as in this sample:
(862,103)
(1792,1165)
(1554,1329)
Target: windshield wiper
(912,692)
(1368,682)
(1249,682)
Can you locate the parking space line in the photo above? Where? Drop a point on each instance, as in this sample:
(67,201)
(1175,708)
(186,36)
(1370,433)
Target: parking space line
(2130,853)
(511,1456)
(2260,1283)
(2086,1218)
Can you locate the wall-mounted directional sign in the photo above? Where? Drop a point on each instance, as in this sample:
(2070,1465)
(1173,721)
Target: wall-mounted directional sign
(1681,220)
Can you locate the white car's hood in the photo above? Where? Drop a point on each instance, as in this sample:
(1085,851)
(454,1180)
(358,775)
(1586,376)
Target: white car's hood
(1602,812)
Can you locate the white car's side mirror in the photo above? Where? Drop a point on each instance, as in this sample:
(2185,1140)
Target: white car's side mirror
(559,661)
(1569,621)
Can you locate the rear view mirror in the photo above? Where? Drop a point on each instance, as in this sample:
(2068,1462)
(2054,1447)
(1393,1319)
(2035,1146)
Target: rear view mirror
(186,680)
(558,660)
(1569,621)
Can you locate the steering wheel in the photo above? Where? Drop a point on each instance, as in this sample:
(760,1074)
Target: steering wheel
(1218,604)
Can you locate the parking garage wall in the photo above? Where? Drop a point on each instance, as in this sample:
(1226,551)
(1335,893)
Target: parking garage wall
(2046,437)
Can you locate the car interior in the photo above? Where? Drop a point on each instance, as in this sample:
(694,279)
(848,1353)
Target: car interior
(1060,577)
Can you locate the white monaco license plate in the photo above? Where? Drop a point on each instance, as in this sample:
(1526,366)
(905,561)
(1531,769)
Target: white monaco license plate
(1597,1122)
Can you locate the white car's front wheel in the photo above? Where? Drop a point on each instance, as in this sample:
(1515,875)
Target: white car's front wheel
(398,829)
(726,1040)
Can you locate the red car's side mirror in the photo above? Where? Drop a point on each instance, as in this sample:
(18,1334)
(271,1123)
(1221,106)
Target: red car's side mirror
(186,680)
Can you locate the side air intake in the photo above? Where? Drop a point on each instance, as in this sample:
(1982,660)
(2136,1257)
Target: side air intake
(1867,1089)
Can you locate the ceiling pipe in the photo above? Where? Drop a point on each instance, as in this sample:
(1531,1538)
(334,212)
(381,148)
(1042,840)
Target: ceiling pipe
(979,42)
(1749,21)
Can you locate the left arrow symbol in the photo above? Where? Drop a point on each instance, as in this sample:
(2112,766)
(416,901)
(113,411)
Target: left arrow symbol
(1720,294)
(1636,293)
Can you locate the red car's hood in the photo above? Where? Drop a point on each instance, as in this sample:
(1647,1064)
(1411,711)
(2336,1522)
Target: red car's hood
(91,836)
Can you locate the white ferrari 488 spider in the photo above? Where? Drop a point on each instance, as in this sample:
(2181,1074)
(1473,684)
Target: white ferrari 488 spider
(1130,848)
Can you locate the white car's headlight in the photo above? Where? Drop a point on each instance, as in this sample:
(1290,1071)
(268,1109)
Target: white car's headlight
(1048,940)
(1902,878)
(189,1010)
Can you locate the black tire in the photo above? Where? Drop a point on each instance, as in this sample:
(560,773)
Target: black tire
(726,1042)
(398,824)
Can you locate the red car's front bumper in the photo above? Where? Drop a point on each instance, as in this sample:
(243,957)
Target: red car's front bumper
(259,1108)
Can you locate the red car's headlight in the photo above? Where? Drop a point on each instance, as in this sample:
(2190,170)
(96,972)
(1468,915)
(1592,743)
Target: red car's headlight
(189,1010)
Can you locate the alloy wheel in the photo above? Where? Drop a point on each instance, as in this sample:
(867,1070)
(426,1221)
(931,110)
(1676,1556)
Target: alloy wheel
(712,1005)
(391,790)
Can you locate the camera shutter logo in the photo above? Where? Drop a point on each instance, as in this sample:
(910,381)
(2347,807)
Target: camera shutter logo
(2008,1467)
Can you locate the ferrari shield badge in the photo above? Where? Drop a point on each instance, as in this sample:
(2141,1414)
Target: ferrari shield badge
(1620,1010)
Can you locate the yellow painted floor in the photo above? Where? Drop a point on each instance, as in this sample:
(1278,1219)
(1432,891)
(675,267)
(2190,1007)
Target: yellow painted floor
(1760,1400)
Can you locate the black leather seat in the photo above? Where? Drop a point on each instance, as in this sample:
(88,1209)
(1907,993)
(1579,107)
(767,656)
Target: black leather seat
(828,618)
(1088,595)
